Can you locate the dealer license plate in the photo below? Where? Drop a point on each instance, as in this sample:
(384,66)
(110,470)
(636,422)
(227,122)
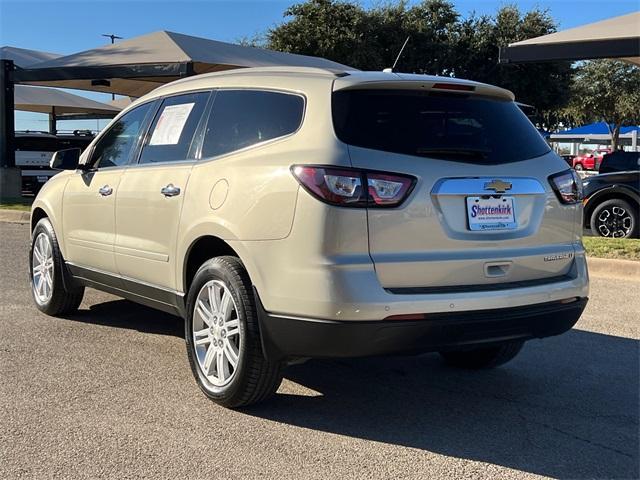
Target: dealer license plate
(491,213)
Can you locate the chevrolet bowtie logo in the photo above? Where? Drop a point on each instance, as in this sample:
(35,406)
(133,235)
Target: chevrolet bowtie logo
(498,186)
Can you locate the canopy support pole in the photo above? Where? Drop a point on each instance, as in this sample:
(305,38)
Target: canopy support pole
(7,125)
(10,176)
(52,121)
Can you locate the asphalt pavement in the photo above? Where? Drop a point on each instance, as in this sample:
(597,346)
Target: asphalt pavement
(107,393)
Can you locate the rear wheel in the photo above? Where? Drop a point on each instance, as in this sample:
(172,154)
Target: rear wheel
(483,357)
(615,218)
(223,339)
(578,166)
(52,288)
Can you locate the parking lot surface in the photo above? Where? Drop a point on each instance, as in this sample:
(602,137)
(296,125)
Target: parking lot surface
(107,393)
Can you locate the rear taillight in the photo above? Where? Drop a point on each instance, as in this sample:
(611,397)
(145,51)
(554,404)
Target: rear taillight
(568,186)
(350,187)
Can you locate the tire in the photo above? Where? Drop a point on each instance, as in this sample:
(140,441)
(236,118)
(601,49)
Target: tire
(615,218)
(253,378)
(483,357)
(578,166)
(53,289)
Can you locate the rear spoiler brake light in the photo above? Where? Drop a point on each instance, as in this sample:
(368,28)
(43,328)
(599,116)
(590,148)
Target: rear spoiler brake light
(454,86)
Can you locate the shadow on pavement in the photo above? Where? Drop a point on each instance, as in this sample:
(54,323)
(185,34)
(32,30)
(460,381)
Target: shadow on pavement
(566,407)
(125,314)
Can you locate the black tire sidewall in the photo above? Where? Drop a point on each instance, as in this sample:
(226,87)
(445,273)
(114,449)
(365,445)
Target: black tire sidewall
(217,269)
(593,223)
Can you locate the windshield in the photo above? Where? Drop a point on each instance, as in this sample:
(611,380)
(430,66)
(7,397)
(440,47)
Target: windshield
(459,127)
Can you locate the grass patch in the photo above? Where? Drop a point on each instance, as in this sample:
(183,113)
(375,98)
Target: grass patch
(22,204)
(621,248)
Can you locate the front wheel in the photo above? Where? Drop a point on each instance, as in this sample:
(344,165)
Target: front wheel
(578,166)
(223,338)
(483,357)
(54,291)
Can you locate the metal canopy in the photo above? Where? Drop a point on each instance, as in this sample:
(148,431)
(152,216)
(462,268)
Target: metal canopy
(59,103)
(136,66)
(617,37)
(24,58)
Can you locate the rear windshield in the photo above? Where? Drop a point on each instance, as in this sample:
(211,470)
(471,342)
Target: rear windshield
(438,125)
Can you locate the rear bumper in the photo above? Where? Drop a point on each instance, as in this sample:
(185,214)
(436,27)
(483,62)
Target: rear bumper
(284,337)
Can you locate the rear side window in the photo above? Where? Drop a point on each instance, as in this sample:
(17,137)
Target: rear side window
(241,118)
(620,162)
(170,136)
(439,125)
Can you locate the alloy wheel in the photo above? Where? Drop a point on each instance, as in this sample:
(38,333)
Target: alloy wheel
(217,337)
(615,222)
(42,268)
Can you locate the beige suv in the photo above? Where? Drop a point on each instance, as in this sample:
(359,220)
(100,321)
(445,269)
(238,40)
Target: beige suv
(291,213)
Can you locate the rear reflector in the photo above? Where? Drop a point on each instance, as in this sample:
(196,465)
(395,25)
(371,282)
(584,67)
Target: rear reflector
(454,86)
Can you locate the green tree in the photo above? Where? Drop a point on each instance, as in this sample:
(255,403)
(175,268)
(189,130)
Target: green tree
(545,86)
(609,91)
(441,43)
(324,28)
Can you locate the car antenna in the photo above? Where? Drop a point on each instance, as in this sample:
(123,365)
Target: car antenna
(390,70)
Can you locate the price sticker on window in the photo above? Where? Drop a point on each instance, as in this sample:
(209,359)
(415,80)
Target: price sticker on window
(170,124)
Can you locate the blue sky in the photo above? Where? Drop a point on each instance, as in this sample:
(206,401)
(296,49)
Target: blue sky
(71,26)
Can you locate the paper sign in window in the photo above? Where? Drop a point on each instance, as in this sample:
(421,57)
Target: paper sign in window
(170,124)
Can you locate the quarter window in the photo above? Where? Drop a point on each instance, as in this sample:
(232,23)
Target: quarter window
(173,128)
(116,145)
(241,118)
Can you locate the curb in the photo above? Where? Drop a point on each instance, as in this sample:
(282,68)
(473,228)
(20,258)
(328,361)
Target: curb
(14,216)
(612,268)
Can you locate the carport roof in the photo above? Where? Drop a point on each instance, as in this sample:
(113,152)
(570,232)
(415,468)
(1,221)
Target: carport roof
(598,128)
(136,66)
(51,100)
(25,58)
(617,37)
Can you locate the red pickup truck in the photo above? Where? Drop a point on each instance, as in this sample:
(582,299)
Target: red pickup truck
(590,161)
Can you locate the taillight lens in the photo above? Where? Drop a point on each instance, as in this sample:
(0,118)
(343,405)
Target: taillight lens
(568,186)
(345,186)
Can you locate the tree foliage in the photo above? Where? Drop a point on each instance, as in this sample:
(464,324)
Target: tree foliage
(442,42)
(609,91)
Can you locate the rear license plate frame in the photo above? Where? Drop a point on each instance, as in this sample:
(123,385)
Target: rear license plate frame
(491,221)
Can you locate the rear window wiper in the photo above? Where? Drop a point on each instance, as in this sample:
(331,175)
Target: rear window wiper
(454,152)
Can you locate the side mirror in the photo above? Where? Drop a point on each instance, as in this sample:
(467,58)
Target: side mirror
(65,159)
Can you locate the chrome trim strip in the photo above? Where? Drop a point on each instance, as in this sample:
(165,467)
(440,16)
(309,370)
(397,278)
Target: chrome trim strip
(476,186)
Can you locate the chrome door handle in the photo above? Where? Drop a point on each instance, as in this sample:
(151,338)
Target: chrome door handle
(170,190)
(106,191)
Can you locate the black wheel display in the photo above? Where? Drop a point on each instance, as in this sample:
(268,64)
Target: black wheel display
(52,288)
(615,218)
(483,357)
(223,338)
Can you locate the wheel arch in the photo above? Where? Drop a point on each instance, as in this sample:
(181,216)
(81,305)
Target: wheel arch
(604,195)
(199,251)
(37,214)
